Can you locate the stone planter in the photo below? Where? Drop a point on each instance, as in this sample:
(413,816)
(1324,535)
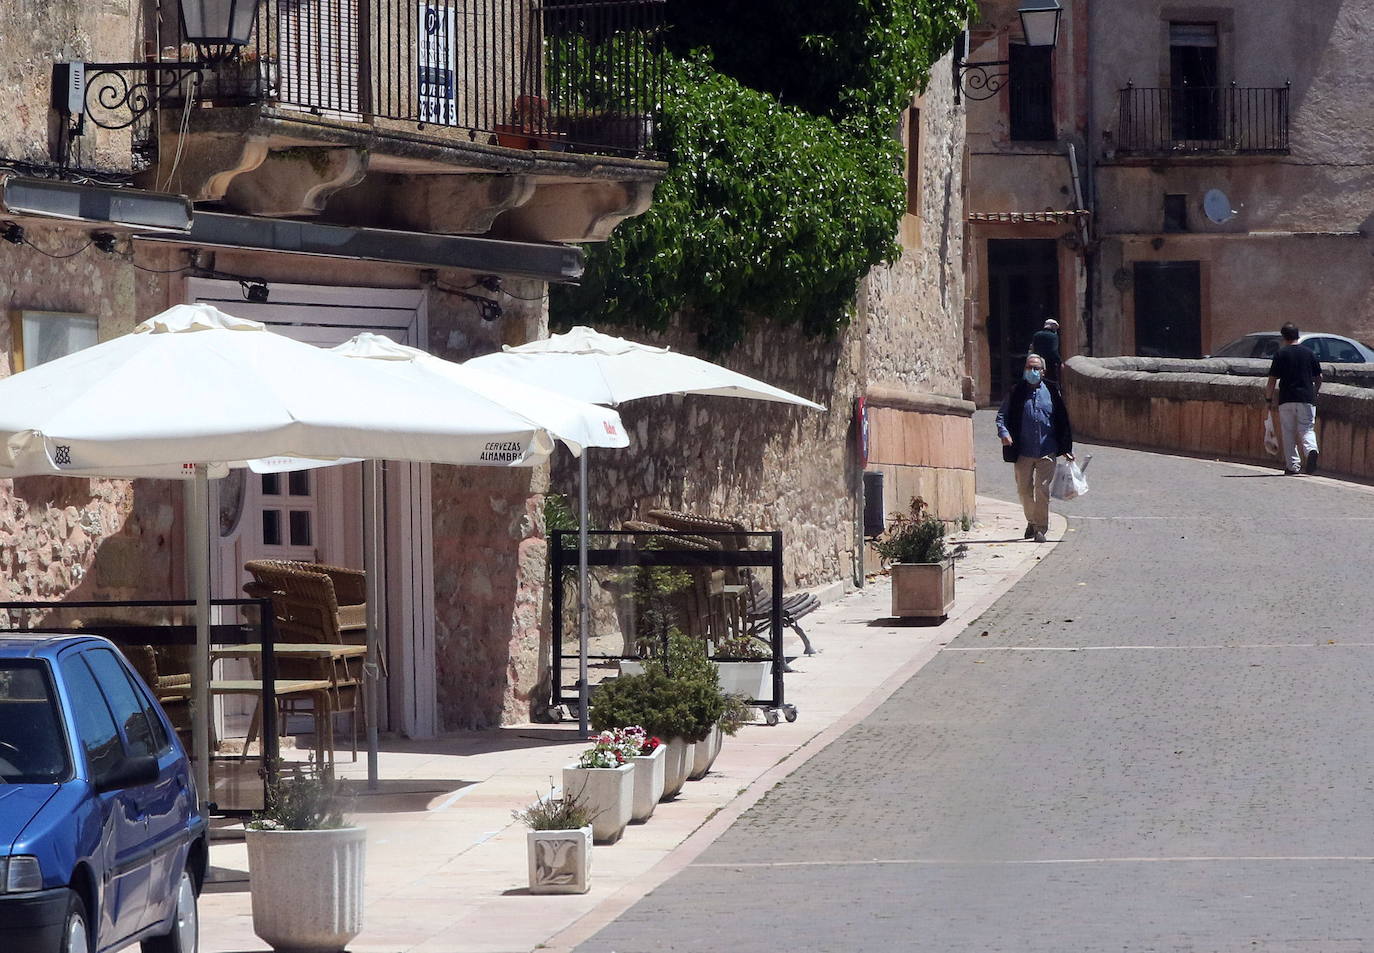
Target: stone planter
(753,680)
(649,782)
(307,887)
(705,754)
(922,590)
(677,764)
(608,794)
(560,861)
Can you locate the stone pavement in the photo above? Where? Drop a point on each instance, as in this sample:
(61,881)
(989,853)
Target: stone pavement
(446,864)
(1156,741)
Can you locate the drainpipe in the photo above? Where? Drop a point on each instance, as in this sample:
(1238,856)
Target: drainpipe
(1089,251)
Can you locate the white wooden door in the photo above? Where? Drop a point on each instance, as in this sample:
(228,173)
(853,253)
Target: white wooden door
(317,514)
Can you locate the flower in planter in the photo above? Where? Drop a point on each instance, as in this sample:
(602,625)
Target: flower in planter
(607,752)
(650,745)
(914,537)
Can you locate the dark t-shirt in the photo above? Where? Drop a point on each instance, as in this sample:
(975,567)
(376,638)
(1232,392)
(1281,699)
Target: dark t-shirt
(1046,344)
(1297,369)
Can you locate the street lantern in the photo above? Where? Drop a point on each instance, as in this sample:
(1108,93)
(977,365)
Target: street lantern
(1040,21)
(218,28)
(983,80)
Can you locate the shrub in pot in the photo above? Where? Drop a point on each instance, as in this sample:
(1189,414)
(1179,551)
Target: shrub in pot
(682,707)
(922,571)
(746,667)
(558,844)
(305,867)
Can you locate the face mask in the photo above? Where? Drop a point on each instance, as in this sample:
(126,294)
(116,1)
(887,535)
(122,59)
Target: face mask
(1032,376)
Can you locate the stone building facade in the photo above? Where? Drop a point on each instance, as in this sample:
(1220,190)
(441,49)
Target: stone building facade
(775,467)
(321,217)
(1170,177)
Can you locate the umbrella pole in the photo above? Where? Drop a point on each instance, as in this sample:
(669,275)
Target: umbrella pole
(197,499)
(372,567)
(582,689)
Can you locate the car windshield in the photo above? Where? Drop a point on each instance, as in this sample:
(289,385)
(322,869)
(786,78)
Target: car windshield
(32,747)
(1252,345)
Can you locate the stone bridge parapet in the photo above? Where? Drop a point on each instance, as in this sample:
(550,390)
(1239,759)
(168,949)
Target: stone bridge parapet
(1214,407)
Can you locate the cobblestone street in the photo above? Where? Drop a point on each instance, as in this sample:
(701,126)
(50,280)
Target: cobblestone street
(1156,741)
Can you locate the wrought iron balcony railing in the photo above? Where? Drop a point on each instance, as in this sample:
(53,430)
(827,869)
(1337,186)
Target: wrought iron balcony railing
(1200,120)
(584,75)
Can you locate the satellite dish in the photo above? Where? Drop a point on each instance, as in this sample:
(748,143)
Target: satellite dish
(1217,206)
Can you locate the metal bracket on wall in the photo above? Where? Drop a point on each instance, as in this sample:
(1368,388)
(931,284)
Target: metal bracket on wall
(117,95)
(981,80)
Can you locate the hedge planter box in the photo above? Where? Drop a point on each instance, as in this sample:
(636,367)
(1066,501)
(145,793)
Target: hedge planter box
(677,764)
(753,680)
(922,590)
(705,754)
(307,887)
(649,782)
(608,793)
(560,861)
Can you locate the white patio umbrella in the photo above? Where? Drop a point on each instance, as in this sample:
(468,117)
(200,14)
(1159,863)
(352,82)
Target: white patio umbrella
(194,391)
(602,369)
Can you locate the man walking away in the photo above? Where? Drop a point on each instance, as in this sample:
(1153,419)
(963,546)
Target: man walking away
(1045,342)
(1297,374)
(1034,426)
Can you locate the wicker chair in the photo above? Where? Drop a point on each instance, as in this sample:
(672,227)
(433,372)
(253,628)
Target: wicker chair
(312,602)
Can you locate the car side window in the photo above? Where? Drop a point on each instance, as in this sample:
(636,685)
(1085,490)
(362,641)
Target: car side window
(124,702)
(1344,353)
(1319,347)
(161,742)
(94,724)
(1268,347)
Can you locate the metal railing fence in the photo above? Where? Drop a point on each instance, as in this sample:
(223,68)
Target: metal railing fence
(552,74)
(1154,121)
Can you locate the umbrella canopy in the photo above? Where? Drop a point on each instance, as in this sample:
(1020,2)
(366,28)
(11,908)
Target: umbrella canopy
(577,423)
(602,369)
(197,386)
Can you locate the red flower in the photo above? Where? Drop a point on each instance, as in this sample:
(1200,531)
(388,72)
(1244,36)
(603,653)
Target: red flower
(650,745)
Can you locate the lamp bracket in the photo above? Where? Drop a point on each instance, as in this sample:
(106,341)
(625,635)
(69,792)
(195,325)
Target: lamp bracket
(982,80)
(117,95)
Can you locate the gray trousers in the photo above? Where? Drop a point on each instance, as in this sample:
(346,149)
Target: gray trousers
(1033,475)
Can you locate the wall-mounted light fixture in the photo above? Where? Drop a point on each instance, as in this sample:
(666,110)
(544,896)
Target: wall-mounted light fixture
(117,95)
(1040,27)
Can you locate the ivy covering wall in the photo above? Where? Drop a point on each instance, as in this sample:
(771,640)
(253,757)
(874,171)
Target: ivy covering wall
(785,174)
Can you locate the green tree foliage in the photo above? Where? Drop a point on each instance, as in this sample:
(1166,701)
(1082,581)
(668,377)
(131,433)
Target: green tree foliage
(785,182)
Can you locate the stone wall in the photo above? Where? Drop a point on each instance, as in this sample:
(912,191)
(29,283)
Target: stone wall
(1212,408)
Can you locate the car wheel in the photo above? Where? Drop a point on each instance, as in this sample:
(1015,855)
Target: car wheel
(76,933)
(184,936)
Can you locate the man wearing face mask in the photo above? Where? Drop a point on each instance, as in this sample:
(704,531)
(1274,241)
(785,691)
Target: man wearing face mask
(1034,426)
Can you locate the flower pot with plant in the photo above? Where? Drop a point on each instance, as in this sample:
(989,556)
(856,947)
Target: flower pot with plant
(558,844)
(648,754)
(745,667)
(679,701)
(922,571)
(305,867)
(604,780)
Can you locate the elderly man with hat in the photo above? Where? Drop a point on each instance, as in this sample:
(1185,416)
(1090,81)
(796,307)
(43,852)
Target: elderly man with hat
(1045,342)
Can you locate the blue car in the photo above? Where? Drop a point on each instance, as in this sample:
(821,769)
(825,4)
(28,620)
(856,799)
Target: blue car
(102,840)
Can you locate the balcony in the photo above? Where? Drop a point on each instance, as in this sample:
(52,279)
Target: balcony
(529,119)
(552,74)
(1230,120)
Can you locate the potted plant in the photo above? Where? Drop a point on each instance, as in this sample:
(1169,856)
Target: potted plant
(745,668)
(305,866)
(558,844)
(648,754)
(682,707)
(922,572)
(604,779)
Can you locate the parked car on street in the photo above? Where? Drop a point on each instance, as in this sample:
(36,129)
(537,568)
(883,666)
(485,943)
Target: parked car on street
(102,840)
(1331,348)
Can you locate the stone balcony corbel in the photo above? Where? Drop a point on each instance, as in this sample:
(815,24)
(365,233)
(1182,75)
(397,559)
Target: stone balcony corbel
(577,211)
(438,204)
(296,181)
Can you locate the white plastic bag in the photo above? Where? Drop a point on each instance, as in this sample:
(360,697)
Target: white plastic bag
(1069,482)
(1271,442)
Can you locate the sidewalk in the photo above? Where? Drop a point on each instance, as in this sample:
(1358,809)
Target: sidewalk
(446,864)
